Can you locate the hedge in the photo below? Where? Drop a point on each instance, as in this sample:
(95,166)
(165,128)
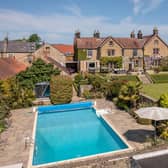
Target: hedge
(61,89)
(159,78)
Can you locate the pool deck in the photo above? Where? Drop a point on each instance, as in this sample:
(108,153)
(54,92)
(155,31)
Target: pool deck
(12,143)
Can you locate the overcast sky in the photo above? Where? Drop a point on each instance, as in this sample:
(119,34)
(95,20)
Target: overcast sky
(56,20)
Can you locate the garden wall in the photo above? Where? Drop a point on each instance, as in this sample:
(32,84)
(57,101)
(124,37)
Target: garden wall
(147,100)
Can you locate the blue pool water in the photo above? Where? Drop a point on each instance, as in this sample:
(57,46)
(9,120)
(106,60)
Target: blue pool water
(72,133)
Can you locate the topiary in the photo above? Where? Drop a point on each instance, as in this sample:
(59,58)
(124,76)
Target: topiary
(163,101)
(61,89)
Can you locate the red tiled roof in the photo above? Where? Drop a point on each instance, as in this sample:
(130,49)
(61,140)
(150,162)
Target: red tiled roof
(92,43)
(88,42)
(64,48)
(10,67)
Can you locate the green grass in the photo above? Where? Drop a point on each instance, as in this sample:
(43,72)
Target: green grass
(133,78)
(159,78)
(155,90)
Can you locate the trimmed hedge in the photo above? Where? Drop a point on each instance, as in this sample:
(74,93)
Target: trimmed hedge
(61,89)
(133,78)
(159,78)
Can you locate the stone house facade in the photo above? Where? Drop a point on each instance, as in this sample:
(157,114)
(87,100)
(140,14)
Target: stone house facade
(22,51)
(137,53)
(61,55)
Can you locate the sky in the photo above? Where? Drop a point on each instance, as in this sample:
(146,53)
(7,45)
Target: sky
(56,21)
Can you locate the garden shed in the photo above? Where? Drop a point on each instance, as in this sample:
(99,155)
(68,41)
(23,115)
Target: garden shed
(42,90)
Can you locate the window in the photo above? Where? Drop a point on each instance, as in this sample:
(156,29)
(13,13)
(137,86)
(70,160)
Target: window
(89,53)
(110,43)
(156,51)
(135,52)
(111,52)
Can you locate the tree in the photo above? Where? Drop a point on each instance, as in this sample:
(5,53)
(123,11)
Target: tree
(38,72)
(35,38)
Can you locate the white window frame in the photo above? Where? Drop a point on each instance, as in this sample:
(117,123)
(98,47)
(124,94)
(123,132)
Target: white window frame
(89,55)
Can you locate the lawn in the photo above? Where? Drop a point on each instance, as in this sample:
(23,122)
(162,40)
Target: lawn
(159,78)
(155,90)
(133,78)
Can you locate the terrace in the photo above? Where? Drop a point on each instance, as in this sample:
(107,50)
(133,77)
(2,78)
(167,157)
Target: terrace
(12,144)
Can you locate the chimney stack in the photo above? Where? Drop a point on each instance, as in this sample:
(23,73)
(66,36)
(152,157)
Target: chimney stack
(5,44)
(139,35)
(96,34)
(155,31)
(132,35)
(77,34)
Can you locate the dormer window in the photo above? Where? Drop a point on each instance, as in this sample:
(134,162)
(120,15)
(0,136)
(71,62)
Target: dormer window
(110,43)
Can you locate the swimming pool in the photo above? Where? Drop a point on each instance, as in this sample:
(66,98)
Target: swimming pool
(71,131)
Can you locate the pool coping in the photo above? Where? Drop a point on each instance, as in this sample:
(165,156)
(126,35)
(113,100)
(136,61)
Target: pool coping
(75,160)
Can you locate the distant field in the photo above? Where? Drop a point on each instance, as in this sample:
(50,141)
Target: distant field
(155,90)
(133,78)
(159,78)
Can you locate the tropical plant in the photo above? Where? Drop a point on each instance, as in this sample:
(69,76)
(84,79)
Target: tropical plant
(163,101)
(60,89)
(129,95)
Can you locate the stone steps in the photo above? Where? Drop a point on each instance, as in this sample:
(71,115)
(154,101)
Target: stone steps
(144,79)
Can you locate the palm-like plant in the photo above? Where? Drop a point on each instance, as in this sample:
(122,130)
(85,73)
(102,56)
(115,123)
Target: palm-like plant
(129,94)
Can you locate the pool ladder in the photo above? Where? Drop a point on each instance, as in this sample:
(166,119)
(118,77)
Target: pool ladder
(28,141)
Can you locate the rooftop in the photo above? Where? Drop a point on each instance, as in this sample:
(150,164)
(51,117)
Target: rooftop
(15,46)
(10,67)
(64,48)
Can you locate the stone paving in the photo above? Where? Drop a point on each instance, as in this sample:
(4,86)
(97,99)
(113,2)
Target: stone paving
(12,143)
(135,134)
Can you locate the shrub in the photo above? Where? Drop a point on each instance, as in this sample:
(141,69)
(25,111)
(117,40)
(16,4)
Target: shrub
(144,121)
(162,129)
(87,94)
(61,89)
(163,101)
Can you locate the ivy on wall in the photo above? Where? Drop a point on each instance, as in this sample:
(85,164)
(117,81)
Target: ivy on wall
(117,61)
(82,54)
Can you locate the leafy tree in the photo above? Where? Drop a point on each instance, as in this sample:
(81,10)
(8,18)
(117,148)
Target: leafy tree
(38,72)
(35,38)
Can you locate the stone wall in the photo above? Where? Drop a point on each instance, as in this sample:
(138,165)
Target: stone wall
(144,99)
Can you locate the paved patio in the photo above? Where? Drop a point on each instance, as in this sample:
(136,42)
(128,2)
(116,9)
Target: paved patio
(12,143)
(135,134)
